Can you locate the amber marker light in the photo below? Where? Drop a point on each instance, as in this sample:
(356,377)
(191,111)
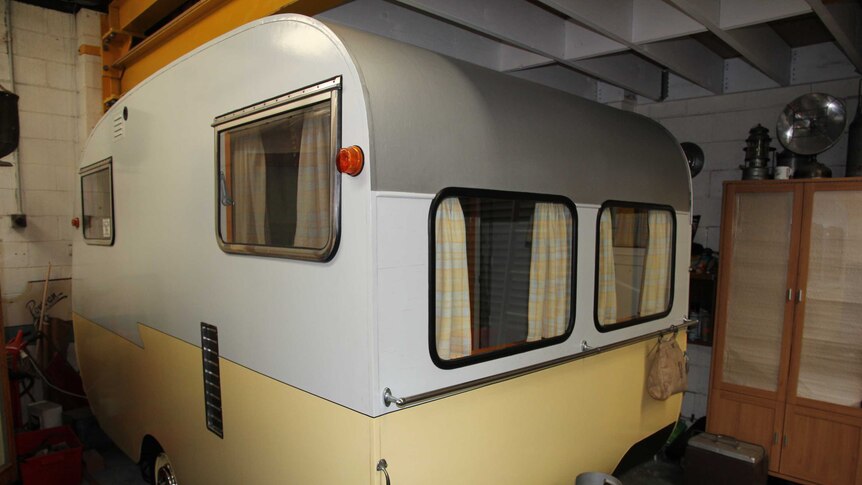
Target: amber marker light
(350,160)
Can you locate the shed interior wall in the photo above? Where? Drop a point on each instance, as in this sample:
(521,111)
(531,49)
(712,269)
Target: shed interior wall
(59,93)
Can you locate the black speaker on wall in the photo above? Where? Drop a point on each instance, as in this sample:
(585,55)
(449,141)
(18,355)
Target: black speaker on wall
(9,126)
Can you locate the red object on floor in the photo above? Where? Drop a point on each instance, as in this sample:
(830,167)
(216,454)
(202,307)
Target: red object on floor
(60,467)
(13,361)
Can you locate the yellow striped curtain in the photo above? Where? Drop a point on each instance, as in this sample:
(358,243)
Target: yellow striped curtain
(550,272)
(607,287)
(655,292)
(248,188)
(630,228)
(313,180)
(452,292)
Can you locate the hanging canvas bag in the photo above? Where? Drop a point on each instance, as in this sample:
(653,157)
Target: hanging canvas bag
(668,372)
(9,125)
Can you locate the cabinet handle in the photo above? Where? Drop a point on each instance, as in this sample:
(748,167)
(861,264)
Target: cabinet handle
(799,296)
(790,294)
(785,441)
(775,437)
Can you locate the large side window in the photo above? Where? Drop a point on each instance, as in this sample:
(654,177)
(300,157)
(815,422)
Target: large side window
(502,267)
(97,203)
(635,259)
(277,183)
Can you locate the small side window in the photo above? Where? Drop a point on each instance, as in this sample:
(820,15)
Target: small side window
(502,267)
(277,186)
(97,203)
(635,263)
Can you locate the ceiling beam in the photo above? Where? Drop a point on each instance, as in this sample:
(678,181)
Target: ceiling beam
(564,79)
(842,18)
(742,13)
(654,20)
(405,25)
(613,18)
(623,22)
(690,60)
(632,72)
(513,21)
(583,43)
(534,29)
(759,45)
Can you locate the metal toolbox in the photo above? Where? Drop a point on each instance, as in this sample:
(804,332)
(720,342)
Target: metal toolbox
(722,460)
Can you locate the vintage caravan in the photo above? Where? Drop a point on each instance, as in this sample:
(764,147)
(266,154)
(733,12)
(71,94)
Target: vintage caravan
(313,255)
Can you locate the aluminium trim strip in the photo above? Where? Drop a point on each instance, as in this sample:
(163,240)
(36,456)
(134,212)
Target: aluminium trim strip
(334,83)
(408,401)
(96,166)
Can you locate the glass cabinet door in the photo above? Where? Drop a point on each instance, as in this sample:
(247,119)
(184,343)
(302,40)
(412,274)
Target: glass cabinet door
(830,345)
(758,269)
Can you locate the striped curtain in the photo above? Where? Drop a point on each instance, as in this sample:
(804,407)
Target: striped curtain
(248,172)
(452,293)
(313,181)
(630,228)
(550,272)
(607,287)
(655,292)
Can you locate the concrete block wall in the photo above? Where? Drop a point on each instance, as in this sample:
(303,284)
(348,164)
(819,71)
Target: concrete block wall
(719,125)
(56,109)
(695,400)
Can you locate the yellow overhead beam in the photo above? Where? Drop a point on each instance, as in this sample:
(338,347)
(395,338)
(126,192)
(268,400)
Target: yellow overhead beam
(125,66)
(140,15)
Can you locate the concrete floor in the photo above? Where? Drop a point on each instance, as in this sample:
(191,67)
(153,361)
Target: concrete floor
(119,470)
(663,472)
(654,472)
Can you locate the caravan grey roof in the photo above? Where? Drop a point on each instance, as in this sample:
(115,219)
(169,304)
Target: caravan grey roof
(438,122)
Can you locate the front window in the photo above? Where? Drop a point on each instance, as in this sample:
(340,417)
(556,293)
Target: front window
(97,203)
(277,182)
(502,274)
(634,282)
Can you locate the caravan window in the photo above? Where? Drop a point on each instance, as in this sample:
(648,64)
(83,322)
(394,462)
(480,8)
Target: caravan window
(277,183)
(502,274)
(97,203)
(635,261)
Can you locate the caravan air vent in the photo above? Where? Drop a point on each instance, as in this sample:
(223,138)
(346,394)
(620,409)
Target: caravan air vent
(212,378)
(119,127)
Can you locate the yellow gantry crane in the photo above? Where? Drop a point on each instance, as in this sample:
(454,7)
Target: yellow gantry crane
(139,37)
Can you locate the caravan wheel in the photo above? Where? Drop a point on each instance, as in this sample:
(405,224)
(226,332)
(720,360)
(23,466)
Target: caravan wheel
(164,473)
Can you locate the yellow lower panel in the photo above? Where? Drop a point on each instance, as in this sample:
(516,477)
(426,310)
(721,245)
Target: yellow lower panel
(544,428)
(274,433)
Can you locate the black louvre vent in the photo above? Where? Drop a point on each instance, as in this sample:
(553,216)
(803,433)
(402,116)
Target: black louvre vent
(212,378)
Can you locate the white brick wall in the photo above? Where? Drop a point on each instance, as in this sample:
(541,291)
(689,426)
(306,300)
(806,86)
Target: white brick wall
(695,399)
(88,75)
(59,103)
(720,124)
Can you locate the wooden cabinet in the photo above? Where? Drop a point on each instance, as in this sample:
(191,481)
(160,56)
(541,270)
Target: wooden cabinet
(787,364)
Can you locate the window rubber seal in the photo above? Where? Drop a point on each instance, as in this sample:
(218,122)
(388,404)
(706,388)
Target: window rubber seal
(432,281)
